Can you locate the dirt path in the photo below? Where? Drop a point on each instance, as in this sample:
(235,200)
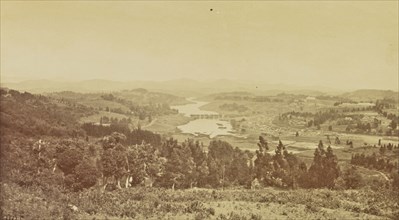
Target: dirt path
(383,174)
(377,173)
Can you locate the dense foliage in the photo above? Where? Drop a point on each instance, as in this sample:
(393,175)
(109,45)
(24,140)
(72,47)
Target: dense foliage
(374,162)
(140,110)
(233,107)
(135,136)
(36,115)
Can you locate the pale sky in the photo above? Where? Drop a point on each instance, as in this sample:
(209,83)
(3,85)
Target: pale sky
(337,44)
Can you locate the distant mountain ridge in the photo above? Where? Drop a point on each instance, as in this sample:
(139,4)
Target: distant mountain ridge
(371,94)
(181,87)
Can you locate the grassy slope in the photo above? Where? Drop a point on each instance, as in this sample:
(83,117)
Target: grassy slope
(268,203)
(152,203)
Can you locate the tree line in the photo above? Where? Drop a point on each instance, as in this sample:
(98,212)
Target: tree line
(248,98)
(141,111)
(135,136)
(374,162)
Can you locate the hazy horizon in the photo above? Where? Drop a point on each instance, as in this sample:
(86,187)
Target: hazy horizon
(339,45)
(149,84)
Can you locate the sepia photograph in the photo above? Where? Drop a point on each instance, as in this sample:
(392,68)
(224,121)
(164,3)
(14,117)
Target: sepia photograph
(220,110)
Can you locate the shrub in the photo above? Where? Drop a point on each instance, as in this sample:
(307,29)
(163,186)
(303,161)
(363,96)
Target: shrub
(256,216)
(312,208)
(352,178)
(373,210)
(235,216)
(69,159)
(193,207)
(339,183)
(222,217)
(395,182)
(395,215)
(86,174)
(377,184)
(211,211)
(200,216)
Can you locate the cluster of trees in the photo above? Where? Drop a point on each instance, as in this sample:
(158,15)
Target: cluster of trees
(354,109)
(228,165)
(324,169)
(364,127)
(374,162)
(117,110)
(282,169)
(233,107)
(380,104)
(358,109)
(79,168)
(316,119)
(385,147)
(135,136)
(374,127)
(353,125)
(290,115)
(131,164)
(357,126)
(187,164)
(52,163)
(248,98)
(142,111)
(349,179)
(286,170)
(143,96)
(101,130)
(172,164)
(266,99)
(393,125)
(390,116)
(386,104)
(112,120)
(75,164)
(236,124)
(321,117)
(148,111)
(391,132)
(297,114)
(110,97)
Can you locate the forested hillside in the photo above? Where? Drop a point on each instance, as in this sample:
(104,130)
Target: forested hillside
(137,106)
(35,115)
